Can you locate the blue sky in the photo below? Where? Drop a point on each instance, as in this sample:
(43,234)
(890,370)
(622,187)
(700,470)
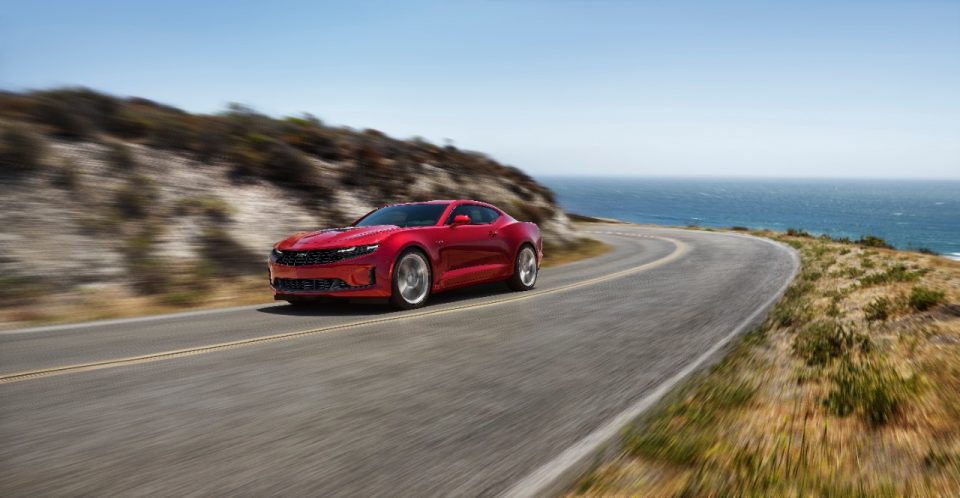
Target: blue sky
(847,89)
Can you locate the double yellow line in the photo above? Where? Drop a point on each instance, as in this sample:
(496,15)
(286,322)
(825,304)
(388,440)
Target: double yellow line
(679,249)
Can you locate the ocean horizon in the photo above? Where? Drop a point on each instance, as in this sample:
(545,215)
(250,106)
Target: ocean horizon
(909,214)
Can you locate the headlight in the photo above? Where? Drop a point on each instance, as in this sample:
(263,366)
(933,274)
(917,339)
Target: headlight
(275,254)
(350,252)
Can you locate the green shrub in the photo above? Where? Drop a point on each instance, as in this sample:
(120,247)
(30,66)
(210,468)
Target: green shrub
(792,312)
(896,273)
(128,125)
(523,211)
(134,199)
(172,133)
(834,311)
(120,157)
(878,309)
(63,119)
(794,232)
(213,207)
(224,256)
(871,241)
(21,152)
(874,389)
(922,298)
(150,273)
(823,341)
(852,272)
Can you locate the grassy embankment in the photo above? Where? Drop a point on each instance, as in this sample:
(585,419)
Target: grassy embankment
(850,388)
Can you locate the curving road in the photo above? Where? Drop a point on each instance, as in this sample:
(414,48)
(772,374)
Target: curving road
(484,392)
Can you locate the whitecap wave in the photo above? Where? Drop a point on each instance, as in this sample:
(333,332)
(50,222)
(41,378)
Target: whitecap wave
(953,255)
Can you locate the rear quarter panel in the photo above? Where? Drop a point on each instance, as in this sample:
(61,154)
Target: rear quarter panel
(520,232)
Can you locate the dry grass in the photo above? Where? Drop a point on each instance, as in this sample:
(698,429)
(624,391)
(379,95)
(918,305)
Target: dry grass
(849,389)
(105,302)
(581,249)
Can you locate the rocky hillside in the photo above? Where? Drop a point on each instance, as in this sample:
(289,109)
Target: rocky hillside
(99,190)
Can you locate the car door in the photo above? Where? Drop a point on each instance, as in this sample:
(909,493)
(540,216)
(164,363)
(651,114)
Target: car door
(471,253)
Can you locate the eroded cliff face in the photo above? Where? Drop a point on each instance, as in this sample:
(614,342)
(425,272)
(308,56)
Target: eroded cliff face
(81,219)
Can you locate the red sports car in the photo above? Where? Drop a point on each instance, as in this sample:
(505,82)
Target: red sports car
(405,252)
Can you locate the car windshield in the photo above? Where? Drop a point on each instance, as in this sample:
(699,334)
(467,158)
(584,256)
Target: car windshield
(404,215)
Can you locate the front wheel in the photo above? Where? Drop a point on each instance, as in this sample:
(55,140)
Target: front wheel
(411,280)
(524,270)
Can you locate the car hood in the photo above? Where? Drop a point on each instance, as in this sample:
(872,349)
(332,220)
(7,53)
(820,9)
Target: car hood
(337,237)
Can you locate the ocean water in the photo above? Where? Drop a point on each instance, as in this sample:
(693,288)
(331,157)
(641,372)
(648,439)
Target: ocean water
(908,214)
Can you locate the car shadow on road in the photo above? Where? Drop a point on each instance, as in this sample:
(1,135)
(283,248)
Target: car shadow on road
(371,307)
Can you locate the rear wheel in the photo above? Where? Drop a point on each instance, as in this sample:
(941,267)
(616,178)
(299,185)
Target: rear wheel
(524,270)
(412,280)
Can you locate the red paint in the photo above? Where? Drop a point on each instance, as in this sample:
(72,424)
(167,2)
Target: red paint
(459,254)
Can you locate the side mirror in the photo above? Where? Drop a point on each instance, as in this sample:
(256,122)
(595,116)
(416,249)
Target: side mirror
(460,219)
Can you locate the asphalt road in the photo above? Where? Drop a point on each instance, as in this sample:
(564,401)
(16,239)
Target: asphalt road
(468,396)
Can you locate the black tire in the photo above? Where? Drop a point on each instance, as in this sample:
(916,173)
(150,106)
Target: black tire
(397,298)
(516,281)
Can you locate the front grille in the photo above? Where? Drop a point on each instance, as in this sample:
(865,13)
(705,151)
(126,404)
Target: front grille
(318,257)
(311,285)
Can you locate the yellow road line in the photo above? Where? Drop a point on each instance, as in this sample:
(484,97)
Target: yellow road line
(679,249)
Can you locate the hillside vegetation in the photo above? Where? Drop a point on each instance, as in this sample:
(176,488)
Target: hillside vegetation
(136,203)
(850,388)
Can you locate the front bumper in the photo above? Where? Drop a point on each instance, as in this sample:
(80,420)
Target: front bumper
(363,277)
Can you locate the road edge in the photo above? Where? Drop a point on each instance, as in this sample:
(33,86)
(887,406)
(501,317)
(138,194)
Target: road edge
(559,474)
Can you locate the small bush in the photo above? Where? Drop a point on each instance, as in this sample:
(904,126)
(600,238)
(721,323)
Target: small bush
(120,157)
(872,241)
(213,207)
(834,311)
(171,133)
(791,313)
(150,273)
(922,298)
(523,211)
(738,228)
(798,289)
(875,390)
(927,251)
(878,310)
(224,256)
(821,342)
(133,200)
(795,232)
(63,119)
(896,273)
(66,176)
(852,272)
(20,152)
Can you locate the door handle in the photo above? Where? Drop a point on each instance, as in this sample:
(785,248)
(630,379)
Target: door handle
(492,233)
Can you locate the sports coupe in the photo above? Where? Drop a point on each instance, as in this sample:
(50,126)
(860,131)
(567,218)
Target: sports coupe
(405,252)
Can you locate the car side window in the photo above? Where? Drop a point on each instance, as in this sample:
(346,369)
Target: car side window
(489,215)
(479,215)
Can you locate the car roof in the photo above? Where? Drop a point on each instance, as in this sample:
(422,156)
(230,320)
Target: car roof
(441,201)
